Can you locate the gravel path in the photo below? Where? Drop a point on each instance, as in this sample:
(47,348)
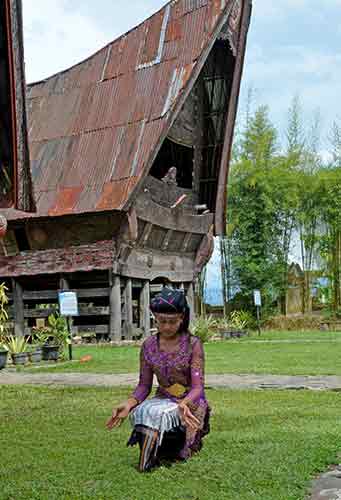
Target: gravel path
(227,381)
(328,485)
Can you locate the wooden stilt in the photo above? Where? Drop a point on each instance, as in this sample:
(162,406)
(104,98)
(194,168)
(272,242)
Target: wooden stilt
(18,303)
(128,301)
(63,283)
(115,308)
(145,308)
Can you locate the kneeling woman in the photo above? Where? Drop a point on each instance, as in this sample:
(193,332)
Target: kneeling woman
(170,425)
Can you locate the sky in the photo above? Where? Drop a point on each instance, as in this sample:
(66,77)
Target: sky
(293,49)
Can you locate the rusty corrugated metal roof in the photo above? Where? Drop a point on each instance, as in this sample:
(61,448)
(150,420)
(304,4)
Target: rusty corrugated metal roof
(94,129)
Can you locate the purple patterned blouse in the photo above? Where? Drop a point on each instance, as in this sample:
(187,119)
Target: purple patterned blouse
(183,366)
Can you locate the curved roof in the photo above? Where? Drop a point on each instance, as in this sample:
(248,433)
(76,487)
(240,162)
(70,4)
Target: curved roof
(94,129)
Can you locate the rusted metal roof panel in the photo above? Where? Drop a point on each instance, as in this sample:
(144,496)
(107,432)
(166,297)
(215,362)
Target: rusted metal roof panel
(148,145)
(182,8)
(94,129)
(115,193)
(150,45)
(65,200)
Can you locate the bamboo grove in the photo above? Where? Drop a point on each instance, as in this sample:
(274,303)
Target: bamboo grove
(283,199)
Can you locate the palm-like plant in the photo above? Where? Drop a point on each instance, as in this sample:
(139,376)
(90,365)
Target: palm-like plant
(202,327)
(40,335)
(15,345)
(58,330)
(240,319)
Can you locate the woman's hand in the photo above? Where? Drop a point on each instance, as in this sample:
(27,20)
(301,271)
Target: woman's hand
(120,413)
(187,417)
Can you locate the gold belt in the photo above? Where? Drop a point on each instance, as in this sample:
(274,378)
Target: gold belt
(176,390)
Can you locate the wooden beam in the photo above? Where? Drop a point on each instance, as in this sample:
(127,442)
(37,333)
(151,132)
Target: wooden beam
(178,219)
(53,294)
(83,311)
(220,209)
(198,146)
(186,242)
(41,295)
(128,302)
(18,303)
(115,309)
(93,292)
(145,308)
(190,300)
(63,283)
(146,233)
(166,240)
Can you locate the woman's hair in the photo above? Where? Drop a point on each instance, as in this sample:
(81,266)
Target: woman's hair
(185,322)
(172,301)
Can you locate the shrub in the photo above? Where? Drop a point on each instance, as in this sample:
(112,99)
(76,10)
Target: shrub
(202,327)
(293,323)
(240,320)
(59,334)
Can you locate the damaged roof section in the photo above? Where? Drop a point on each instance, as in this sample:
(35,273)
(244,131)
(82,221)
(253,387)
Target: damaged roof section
(95,128)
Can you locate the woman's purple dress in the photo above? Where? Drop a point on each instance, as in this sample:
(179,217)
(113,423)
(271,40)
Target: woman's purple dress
(184,366)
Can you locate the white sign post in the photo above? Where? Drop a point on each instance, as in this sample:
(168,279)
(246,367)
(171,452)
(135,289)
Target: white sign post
(258,303)
(68,306)
(68,303)
(257,298)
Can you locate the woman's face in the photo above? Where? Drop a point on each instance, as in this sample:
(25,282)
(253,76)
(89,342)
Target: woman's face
(168,324)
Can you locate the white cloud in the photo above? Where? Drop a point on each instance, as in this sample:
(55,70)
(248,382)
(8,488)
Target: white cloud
(270,9)
(57,37)
(60,33)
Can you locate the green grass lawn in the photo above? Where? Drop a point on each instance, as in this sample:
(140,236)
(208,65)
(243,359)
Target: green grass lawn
(287,353)
(262,446)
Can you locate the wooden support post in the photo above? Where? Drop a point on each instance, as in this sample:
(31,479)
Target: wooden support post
(190,300)
(145,234)
(145,308)
(128,301)
(166,240)
(115,308)
(198,140)
(18,303)
(186,242)
(63,283)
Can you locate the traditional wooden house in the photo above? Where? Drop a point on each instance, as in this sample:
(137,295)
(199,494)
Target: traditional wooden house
(129,158)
